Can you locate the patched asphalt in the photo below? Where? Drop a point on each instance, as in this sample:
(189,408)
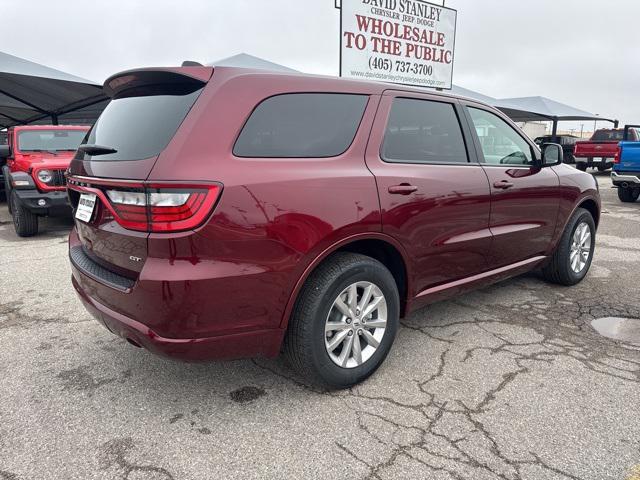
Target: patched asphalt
(511,381)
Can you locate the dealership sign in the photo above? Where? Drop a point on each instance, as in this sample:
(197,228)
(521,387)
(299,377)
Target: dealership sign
(400,41)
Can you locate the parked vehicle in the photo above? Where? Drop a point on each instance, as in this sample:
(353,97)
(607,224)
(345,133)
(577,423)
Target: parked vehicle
(601,149)
(33,177)
(233,213)
(626,169)
(568,143)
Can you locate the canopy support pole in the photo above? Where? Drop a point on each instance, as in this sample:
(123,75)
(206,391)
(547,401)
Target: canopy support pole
(54,119)
(554,131)
(615,123)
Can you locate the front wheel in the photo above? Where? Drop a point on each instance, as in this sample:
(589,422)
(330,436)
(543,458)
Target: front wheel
(581,166)
(628,194)
(572,258)
(24,222)
(344,322)
(603,168)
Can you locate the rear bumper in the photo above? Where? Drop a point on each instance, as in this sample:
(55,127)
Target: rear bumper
(262,343)
(597,159)
(630,178)
(54,203)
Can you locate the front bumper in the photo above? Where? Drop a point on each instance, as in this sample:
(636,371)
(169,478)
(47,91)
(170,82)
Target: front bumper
(629,178)
(49,203)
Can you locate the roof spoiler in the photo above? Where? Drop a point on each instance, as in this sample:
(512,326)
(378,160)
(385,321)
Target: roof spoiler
(190,76)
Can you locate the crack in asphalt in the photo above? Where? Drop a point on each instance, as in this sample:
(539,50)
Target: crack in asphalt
(436,448)
(114,453)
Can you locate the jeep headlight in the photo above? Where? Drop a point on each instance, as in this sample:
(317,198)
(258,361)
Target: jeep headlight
(45,176)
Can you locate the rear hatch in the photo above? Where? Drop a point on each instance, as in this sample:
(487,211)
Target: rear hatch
(108,176)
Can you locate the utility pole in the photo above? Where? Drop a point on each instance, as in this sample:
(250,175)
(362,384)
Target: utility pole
(581,129)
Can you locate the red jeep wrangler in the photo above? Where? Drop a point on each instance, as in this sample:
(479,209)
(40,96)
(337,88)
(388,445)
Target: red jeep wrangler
(34,182)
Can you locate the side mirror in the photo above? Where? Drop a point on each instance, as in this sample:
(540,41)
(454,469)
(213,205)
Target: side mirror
(5,151)
(552,154)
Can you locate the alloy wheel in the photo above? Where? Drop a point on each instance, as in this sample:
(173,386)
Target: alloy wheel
(356,324)
(580,247)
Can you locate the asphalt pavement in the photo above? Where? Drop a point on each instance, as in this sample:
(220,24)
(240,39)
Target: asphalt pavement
(508,382)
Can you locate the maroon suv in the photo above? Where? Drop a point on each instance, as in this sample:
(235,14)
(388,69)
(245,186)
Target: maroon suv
(225,213)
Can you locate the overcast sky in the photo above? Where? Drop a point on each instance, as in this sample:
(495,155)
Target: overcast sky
(583,53)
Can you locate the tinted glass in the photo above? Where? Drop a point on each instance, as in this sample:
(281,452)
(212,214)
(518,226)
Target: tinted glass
(50,140)
(301,125)
(501,144)
(608,135)
(422,131)
(141,123)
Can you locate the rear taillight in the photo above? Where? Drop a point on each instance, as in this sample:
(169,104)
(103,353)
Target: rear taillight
(162,208)
(616,157)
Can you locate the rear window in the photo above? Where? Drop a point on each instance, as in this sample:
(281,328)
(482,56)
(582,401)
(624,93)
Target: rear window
(50,140)
(140,123)
(301,125)
(608,135)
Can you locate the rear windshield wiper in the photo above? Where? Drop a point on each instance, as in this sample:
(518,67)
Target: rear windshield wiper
(91,149)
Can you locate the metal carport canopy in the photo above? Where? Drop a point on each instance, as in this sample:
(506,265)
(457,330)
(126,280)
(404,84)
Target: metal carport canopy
(30,92)
(526,109)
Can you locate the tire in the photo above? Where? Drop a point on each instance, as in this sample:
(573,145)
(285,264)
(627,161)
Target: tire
(602,168)
(559,268)
(628,194)
(25,222)
(581,166)
(307,342)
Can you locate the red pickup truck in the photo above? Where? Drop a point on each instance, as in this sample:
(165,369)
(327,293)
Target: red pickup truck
(600,150)
(34,182)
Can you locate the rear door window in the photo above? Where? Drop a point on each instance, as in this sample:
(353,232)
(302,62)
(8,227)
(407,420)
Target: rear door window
(423,131)
(140,123)
(301,125)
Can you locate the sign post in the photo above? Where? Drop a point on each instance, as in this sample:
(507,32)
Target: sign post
(411,42)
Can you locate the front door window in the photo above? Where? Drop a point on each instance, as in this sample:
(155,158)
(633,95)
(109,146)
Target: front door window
(501,144)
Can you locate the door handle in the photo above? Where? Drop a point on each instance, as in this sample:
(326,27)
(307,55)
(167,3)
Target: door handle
(504,184)
(402,189)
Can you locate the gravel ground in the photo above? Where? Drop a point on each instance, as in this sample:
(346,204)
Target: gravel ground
(504,383)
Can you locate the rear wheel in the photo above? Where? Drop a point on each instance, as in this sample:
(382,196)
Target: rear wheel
(581,166)
(571,260)
(24,222)
(344,322)
(628,194)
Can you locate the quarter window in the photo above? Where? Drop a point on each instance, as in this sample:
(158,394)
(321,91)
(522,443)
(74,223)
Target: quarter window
(301,125)
(423,131)
(501,144)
